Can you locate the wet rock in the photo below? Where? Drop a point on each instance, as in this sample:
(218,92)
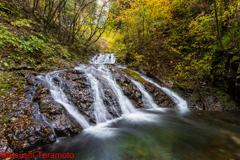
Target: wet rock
(56,114)
(111,102)
(25,124)
(133,93)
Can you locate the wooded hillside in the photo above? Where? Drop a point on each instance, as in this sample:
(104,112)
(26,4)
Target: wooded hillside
(193,42)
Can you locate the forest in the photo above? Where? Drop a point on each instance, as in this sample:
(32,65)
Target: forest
(194,42)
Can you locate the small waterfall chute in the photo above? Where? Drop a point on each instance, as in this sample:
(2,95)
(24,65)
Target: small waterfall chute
(104,72)
(100,111)
(60,97)
(181,103)
(147,99)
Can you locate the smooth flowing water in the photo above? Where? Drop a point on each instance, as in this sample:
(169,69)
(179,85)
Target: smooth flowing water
(146,134)
(59,96)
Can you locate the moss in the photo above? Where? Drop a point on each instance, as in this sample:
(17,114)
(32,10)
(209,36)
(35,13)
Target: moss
(124,84)
(225,100)
(183,85)
(44,67)
(15,110)
(231,104)
(194,97)
(204,93)
(43,107)
(217,92)
(134,75)
(4,118)
(235,58)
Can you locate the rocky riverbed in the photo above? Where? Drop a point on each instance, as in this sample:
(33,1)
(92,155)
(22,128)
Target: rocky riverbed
(35,119)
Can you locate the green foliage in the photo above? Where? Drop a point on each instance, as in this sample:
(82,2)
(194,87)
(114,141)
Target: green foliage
(24,43)
(31,62)
(5,118)
(62,51)
(179,41)
(23,23)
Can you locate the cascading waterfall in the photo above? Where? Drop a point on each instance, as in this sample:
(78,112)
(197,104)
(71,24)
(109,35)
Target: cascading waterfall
(102,71)
(125,103)
(59,96)
(100,110)
(181,103)
(103,59)
(147,99)
(97,74)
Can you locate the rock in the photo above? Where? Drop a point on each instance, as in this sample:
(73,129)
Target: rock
(232,74)
(56,114)
(133,93)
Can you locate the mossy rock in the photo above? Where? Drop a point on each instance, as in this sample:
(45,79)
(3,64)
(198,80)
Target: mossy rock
(217,92)
(194,97)
(134,75)
(43,107)
(231,104)
(225,100)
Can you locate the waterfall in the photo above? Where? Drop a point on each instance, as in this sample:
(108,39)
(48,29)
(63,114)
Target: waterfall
(104,72)
(103,59)
(181,103)
(100,76)
(100,110)
(147,99)
(125,103)
(59,96)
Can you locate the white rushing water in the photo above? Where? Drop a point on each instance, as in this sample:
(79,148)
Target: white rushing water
(103,59)
(125,104)
(104,72)
(147,99)
(181,103)
(59,96)
(100,111)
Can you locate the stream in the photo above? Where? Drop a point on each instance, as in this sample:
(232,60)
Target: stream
(122,131)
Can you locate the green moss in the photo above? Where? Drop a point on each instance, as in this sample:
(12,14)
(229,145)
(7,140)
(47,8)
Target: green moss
(194,97)
(231,104)
(183,85)
(217,91)
(134,75)
(235,58)
(124,84)
(43,107)
(44,67)
(204,93)
(4,118)
(225,100)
